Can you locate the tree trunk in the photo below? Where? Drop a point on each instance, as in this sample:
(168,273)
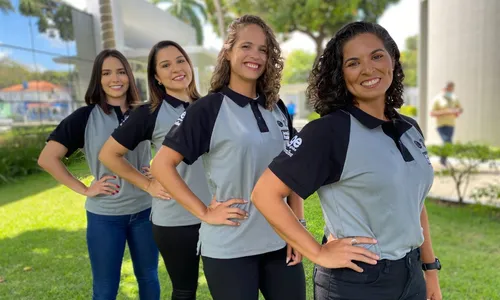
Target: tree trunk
(220,19)
(319,47)
(107,30)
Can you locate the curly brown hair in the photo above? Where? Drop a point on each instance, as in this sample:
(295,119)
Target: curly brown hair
(269,83)
(327,90)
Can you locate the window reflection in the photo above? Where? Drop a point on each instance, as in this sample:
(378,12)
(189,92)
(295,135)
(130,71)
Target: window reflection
(48,26)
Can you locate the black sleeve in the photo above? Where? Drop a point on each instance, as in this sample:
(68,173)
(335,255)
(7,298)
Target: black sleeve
(71,131)
(315,156)
(284,110)
(414,123)
(191,133)
(138,127)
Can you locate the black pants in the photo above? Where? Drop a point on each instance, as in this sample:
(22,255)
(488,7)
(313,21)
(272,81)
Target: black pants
(242,278)
(388,280)
(177,246)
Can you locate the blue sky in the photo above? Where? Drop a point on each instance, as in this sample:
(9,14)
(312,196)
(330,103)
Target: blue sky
(15,30)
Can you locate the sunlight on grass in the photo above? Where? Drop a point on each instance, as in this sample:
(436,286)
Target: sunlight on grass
(44,253)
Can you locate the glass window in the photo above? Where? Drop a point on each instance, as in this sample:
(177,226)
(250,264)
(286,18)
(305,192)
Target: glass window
(16,26)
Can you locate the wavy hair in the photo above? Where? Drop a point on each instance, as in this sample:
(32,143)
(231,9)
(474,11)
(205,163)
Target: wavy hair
(95,93)
(327,90)
(268,83)
(156,90)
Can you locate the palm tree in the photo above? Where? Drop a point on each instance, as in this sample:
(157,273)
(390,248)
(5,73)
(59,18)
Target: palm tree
(5,6)
(189,12)
(220,19)
(107,30)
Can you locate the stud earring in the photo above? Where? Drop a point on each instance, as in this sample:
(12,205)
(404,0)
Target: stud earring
(159,82)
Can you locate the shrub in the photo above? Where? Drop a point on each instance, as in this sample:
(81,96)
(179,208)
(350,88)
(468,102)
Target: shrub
(489,193)
(468,157)
(19,151)
(408,110)
(313,116)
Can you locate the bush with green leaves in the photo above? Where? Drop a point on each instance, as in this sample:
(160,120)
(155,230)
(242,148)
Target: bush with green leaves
(466,161)
(313,116)
(408,110)
(488,194)
(19,151)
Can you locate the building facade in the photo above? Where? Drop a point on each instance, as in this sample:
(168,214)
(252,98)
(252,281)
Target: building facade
(458,42)
(57,46)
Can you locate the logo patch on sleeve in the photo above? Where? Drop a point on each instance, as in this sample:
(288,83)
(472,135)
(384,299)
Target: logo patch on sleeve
(293,145)
(180,119)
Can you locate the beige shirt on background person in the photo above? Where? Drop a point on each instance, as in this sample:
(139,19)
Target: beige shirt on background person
(441,102)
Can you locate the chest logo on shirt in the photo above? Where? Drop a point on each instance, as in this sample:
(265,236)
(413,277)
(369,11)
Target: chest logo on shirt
(286,134)
(293,145)
(180,119)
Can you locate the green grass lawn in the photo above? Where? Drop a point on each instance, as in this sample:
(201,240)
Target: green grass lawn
(43,252)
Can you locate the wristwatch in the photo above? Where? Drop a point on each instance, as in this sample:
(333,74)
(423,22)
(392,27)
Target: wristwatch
(303,222)
(436,265)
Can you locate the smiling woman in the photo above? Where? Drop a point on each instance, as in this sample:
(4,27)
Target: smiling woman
(236,131)
(117,212)
(371,173)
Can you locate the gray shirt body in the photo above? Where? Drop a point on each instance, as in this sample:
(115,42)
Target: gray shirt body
(236,138)
(146,125)
(371,176)
(89,128)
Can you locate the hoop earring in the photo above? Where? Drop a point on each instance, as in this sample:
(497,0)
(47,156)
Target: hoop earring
(159,83)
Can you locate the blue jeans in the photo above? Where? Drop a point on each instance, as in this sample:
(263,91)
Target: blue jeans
(446,133)
(106,238)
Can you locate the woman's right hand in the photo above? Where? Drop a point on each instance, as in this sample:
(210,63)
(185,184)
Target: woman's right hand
(340,253)
(156,190)
(219,213)
(102,187)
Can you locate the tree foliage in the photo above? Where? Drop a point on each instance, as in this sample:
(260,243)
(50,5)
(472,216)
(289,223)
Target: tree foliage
(409,60)
(316,18)
(298,65)
(191,12)
(53,17)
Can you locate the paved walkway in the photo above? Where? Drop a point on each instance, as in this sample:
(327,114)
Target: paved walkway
(444,186)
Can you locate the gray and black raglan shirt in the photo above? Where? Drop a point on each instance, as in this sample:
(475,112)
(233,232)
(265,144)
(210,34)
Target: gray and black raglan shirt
(88,128)
(236,138)
(146,125)
(371,176)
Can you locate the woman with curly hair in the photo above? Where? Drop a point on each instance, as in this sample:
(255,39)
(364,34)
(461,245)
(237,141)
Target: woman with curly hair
(370,167)
(237,130)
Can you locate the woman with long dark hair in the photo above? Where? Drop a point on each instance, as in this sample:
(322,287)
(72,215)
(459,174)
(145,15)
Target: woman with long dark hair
(172,88)
(117,212)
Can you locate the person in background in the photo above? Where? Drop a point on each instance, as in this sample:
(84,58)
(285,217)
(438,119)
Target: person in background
(446,109)
(117,212)
(369,165)
(292,109)
(172,89)
(236,131)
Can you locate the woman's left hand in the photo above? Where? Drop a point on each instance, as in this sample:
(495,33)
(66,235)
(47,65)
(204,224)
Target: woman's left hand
(293,257)
(432,285)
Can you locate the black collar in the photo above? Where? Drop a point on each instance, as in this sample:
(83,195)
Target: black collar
(175,102)
(242,100)
(371,122)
